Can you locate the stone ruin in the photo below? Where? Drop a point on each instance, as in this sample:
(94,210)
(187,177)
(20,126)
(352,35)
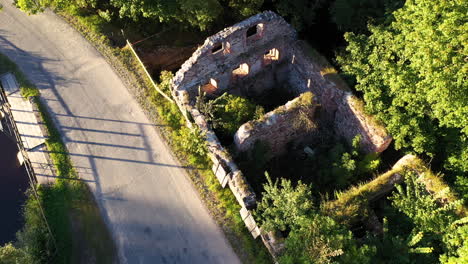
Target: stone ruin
(251,58)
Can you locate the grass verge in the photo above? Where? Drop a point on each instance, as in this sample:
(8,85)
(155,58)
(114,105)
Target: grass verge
(186,147)
(73,216)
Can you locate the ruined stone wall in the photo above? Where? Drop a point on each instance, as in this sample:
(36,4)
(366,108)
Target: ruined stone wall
(225,51)
(224,166)
(350,120)
(310,71)
(277,128)
(291,62)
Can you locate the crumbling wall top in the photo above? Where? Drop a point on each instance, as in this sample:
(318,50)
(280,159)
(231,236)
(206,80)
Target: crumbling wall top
(231,45)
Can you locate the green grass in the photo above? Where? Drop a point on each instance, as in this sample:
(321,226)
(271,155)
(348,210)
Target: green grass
(221,202)
(27,89)
(352,205)
(65,202)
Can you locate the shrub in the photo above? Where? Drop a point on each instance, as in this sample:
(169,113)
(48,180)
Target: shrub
(283,206)
(233,112)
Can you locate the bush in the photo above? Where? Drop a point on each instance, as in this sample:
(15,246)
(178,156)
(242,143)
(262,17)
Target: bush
(233,112)
(192,142)
(342,165)
(283,206)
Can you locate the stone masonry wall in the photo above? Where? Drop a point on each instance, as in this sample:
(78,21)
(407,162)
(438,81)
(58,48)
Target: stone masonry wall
(237,48)
(351,121)
(340,108)
(277,128)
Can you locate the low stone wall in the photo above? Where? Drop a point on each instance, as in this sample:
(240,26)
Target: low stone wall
(278,127)
(224,166)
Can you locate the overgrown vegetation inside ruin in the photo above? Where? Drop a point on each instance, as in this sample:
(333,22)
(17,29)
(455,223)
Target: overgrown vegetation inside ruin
(227,113)
(325,162)
(414,228)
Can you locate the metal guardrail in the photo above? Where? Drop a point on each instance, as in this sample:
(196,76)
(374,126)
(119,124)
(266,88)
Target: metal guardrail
(14,134)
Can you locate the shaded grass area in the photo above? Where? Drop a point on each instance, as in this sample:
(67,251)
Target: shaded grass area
(185,143)
(79,233)
(27,88)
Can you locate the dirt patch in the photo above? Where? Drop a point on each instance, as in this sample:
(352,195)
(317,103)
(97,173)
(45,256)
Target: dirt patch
(164,58)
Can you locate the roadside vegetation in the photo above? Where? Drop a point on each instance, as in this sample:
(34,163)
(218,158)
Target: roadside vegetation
(78,230)
(405,59)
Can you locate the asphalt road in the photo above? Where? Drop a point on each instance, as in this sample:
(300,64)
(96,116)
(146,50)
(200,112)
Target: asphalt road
(154,213)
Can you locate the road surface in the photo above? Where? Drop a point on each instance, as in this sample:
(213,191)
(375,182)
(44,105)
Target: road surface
(154,213)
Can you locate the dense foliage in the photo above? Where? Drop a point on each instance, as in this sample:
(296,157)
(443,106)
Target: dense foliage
(311,236)
(441,221)
(338,165)
(234,112)
(413,75)
(284,206)
(437,228)
(227,112)
(329,165)
(355,15)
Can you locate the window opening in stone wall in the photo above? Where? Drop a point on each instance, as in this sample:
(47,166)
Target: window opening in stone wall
(241,71)
(217,48)
(270,56)
(252,31)
(210,87)
(255,32)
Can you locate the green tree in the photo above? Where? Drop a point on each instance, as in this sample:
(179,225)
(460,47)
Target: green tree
(355,15)
(227,112)
(319,239)
(456,242)
(236,111)
(283,206)
(391,248)
(11,255)
(197,13)
(35,6)
(192,141)
(439,221)
(422,207)
(245,8)
(413,75)
(313,237)
(301,13)
(340,165)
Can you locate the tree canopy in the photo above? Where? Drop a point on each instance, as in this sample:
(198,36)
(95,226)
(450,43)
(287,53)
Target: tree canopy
(413,74)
